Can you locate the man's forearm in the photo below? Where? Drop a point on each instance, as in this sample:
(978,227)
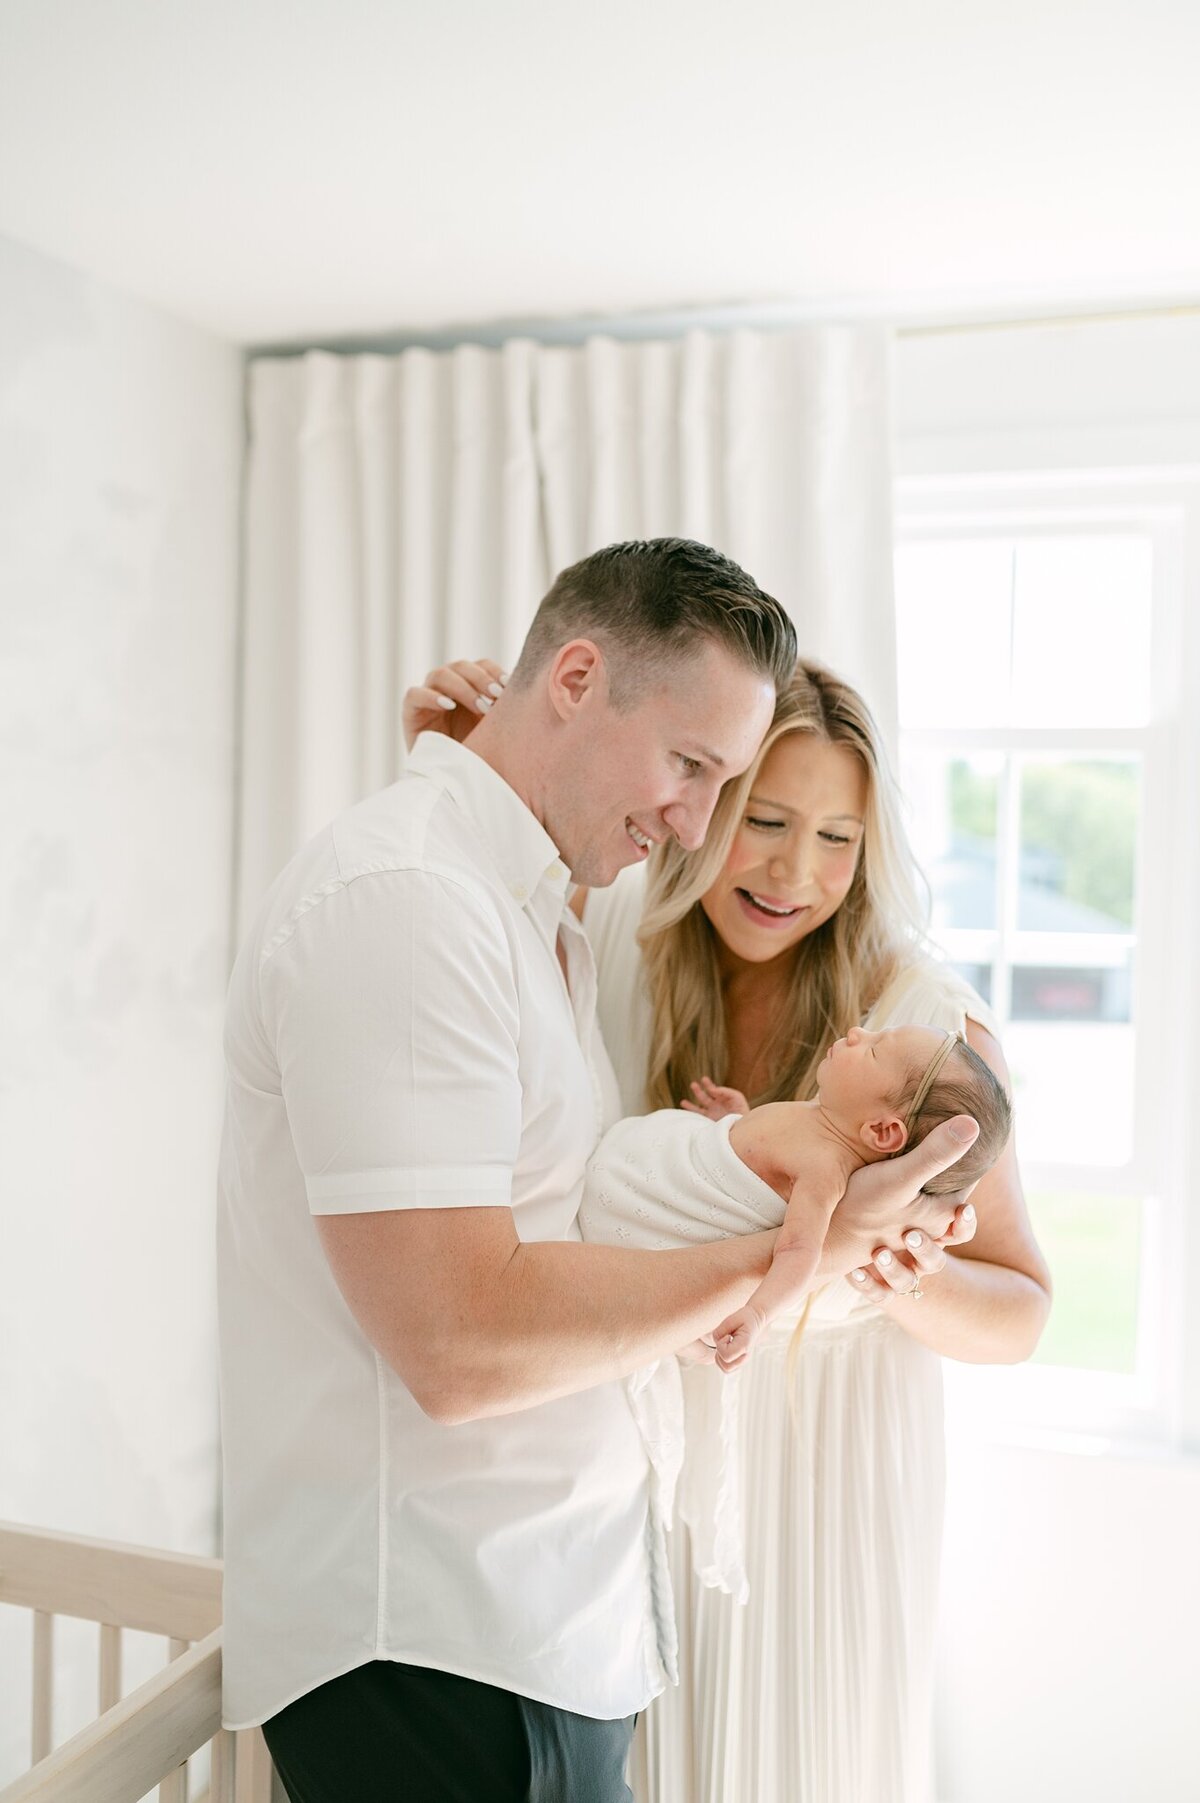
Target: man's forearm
(562,1317)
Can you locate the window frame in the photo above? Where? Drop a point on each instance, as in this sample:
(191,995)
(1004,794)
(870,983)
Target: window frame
(1160,1402)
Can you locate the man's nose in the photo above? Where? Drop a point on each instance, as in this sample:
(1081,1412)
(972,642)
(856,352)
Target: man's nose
(688,818)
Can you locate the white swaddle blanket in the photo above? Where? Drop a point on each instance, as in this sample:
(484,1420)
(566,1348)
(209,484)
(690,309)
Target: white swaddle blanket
(656,1182)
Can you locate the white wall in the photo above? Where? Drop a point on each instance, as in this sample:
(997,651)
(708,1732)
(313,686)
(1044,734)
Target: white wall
(1121,393)
(1068,1666)
(1071,1579)
(120,455)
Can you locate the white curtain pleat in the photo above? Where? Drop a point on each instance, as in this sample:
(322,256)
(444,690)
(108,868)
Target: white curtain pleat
(402,510)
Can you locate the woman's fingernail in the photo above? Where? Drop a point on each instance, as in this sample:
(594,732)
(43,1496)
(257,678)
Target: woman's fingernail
(495,689)
(483,703)
(968,1213)
(504,675)
(859,1276)
(960,1130)
(913,1239)
(884,1258)
(445,701)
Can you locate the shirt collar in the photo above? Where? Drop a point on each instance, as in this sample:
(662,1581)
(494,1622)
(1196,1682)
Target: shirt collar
(517,844)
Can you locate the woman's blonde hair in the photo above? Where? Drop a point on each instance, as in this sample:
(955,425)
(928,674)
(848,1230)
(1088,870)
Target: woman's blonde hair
(838,971)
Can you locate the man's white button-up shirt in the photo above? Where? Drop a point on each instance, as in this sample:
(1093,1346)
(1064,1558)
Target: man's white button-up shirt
(399,1035)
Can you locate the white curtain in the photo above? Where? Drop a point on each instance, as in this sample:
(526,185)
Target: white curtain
(409,508)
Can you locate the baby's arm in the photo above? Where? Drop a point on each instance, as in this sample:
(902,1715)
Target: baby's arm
(715,1101)
(797,1255)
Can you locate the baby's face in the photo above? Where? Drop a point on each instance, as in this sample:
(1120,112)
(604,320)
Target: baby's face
(862,1076)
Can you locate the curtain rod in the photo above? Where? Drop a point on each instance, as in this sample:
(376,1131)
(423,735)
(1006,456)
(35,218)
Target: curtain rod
(1019,322)
(673,324)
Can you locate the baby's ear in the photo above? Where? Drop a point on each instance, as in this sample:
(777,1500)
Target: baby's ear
(884,1136)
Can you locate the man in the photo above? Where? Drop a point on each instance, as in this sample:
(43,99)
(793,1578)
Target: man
(436,1497)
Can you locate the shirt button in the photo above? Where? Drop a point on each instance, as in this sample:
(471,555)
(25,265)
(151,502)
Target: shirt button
(520,892)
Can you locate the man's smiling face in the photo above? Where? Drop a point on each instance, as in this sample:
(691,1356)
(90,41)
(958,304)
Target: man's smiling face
(635,776)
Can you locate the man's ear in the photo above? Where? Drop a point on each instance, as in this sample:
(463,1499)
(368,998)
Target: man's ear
(884,1136)
(577,675)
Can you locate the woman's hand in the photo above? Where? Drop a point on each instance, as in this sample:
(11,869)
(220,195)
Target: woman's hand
(452,699)
(714,1100)
(902,1273)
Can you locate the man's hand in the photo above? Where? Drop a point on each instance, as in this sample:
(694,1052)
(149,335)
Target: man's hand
(884,1201)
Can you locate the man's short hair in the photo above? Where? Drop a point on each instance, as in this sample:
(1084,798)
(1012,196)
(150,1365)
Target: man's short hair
(651,603)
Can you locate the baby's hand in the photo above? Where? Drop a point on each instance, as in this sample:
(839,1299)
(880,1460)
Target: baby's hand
(716,1102)
(736,1336)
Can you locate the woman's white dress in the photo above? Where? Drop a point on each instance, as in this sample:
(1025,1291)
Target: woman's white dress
(819,1688)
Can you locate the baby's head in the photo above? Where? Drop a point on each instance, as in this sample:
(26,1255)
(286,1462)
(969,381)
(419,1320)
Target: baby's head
(887,1090)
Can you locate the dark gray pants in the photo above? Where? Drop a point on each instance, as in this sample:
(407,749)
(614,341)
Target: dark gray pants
(385,1733)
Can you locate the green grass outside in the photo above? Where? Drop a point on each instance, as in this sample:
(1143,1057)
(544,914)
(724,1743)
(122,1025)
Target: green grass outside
(1093,1246)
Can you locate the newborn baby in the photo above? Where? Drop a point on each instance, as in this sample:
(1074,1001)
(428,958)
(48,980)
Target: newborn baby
(672,1178)
(877,1094)
(716,1167)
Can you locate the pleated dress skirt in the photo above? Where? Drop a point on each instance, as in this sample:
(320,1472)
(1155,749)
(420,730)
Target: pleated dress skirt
(819,1688)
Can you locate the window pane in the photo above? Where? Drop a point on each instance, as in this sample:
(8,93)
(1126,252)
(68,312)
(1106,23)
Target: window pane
(1081,631)
(1093,1247)
(1078,843)
(953,805)
(953,630)
(1073,1091)
(1082,990)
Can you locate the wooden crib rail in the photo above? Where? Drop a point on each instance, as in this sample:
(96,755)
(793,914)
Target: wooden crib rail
(175,1594)
(142,1739)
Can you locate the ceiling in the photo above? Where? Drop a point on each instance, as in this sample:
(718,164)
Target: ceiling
(305,171)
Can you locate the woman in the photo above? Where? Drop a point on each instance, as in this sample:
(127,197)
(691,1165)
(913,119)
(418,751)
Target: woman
(740,963)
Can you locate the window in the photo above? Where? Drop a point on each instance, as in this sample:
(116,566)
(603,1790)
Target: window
(1039,654)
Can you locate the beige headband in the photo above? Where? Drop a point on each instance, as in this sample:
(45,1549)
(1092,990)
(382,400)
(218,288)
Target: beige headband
(929,1079)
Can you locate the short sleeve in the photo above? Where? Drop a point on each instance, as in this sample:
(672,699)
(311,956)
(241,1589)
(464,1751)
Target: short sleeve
(930,993)
(393,1005)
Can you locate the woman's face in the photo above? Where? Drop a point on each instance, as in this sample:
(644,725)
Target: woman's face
(796,849)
